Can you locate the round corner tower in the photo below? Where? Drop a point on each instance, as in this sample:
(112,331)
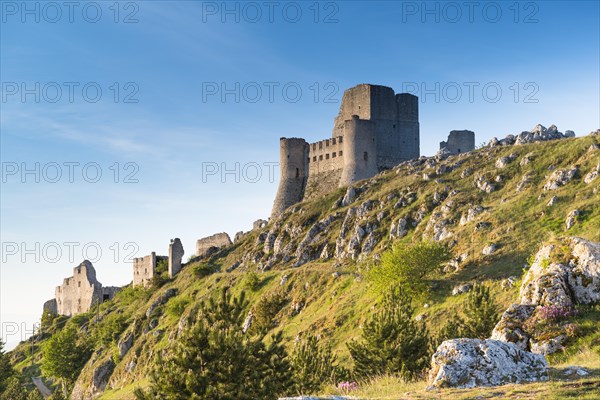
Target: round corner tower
(293,159)
(360,150)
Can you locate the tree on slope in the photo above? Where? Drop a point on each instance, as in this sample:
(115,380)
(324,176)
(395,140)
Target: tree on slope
(64,357)
(393,343)
(214,359)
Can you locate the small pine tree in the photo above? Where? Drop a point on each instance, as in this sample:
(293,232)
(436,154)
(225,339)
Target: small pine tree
(392,341)
(481,313)
(14,390)
(265,311)
(64,357)
(452,329)
(313,366)
(214,359)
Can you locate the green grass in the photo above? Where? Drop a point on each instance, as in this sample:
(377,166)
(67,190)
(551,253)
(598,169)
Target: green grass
(336,308)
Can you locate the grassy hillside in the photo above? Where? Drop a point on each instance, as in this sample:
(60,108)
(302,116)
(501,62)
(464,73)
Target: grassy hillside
(331,296)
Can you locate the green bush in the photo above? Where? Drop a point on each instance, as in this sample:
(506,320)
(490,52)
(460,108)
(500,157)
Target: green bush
(265,311)
(214,359)
(177,305)
(252,281)
(6,370)
(393,343)
(408,267)
(204,269)
(109,329)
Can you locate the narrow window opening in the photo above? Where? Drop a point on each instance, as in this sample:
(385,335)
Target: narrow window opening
(297,172)
(366,156)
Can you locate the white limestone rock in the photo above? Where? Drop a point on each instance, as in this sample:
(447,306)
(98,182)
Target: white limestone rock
(471,214)
(348,197)
(510,327)
(571,219)
(468,363)
(589,178)
(489,249)
(559,178)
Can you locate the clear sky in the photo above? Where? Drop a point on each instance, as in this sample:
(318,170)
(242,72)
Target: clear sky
(162,97)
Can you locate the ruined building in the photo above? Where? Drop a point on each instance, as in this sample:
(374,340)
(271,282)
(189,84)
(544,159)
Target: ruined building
(80,292)
(209,245)
(459,142)
(375,129)
(144,268)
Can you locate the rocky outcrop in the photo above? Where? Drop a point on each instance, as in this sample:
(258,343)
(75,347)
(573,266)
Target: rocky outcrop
(552,286)
(468,363)
(559,178)
(537,134)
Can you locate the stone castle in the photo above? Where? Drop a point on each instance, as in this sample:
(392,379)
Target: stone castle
(375,129)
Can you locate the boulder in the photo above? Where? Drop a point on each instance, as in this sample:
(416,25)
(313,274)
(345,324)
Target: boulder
(489,249)
(125,344)
(471,214)
(460,289)
(589,178)
(468,363)
(101,375)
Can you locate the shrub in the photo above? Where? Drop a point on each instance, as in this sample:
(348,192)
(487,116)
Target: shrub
(452,329)
(392,341)
(214,359)
(6,370)
(252,281)
(408,267)
(203,270)
(176,306)
(313,366)
(265,311)
(109,329)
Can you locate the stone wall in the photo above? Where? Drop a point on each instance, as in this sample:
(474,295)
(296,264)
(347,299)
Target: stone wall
(175,255)
(79,292)
(207,245)
(325,155)
(143,269)
(51,306)
(459,142)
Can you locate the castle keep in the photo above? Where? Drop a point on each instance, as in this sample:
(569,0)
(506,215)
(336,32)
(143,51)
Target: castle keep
(375,129)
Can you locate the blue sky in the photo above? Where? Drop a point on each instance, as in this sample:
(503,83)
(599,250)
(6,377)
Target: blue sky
(543,56)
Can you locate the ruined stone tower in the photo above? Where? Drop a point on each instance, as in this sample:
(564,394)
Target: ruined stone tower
(375,129)
(459,142)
